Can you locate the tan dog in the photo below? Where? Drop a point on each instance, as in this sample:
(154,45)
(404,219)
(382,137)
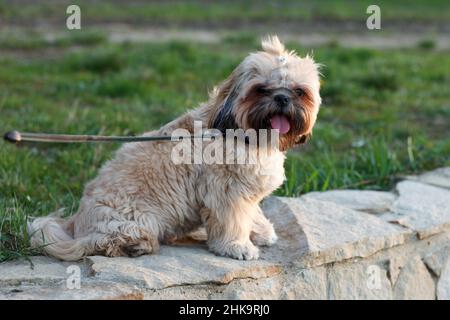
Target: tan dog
(141,198)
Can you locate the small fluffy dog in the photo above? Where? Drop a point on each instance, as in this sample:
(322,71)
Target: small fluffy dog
(141,198)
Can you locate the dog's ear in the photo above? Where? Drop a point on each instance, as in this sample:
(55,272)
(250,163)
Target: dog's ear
(303,138)
(225,117)
(225,100)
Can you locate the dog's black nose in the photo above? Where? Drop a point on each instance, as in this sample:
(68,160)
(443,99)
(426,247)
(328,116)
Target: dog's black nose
(282,100)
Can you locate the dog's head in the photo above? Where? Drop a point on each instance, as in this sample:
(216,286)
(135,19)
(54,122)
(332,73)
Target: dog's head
(270,89)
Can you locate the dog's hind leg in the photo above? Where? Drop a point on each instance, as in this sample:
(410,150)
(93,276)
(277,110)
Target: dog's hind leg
(116,244)
(119,237)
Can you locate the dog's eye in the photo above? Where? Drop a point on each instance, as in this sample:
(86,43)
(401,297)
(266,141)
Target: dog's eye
(299,92)
(262,90)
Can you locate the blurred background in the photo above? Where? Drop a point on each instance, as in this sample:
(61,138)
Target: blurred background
(135,64)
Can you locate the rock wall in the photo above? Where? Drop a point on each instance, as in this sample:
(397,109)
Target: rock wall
(345,244)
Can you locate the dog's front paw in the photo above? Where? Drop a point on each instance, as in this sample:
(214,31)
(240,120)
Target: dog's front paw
(237,250)
(264,239)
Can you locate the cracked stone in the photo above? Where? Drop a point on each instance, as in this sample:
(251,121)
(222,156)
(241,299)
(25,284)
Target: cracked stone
(421,207)
(437,260)
(443,286)
(414,282)
(174,266)
(439,177)
(396,264)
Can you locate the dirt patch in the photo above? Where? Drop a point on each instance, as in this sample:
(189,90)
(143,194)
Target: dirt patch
(312,34)
(366,40)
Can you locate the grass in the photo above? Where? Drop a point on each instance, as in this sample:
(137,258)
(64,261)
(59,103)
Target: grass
(426,44)
(384,114)
(14,237)
(31,40)
(224,12)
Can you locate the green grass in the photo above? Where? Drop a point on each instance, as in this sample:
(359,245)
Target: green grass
(426,44)
(200,12)
(30,40)
(14,237)
(385,113)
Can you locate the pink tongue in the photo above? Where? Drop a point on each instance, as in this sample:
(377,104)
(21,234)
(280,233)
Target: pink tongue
(280,123)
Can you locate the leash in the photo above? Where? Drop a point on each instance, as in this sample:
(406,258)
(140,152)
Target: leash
(16,137)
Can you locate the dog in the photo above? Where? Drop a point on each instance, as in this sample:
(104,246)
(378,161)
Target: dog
(141,199)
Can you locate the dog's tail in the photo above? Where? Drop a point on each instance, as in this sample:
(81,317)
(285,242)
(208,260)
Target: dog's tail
(53,234)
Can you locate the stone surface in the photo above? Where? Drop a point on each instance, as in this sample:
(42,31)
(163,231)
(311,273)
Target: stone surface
(396,264)
(322,232)
(414,282)
(39,270)
(420,207)
(331,246)
(359,281)
(439,177)
(368,201)
(179,266)
(306,284)
(89,290)
(436,260)
(265,289)
(443,286)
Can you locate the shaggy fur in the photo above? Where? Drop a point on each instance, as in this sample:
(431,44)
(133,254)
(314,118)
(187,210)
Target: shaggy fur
(141,198)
